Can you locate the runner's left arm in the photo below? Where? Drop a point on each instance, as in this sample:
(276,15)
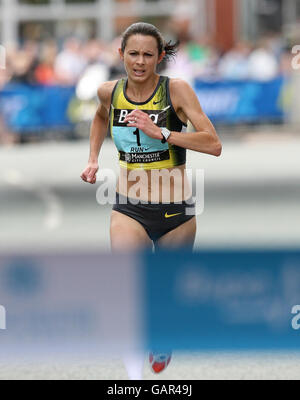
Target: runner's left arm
(186,103)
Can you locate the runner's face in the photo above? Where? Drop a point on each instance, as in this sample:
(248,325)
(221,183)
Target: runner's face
(141,57)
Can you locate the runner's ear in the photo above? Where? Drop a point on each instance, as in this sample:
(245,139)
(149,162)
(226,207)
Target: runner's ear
(121,54)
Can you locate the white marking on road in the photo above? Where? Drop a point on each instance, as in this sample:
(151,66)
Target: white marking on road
(53,217)
(54,210)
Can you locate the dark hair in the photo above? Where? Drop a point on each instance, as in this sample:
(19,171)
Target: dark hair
(142,28)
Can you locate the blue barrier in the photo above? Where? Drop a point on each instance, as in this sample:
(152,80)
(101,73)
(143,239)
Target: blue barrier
(36,108)
(242,101)
(40,108)
(222,300)
(87,304)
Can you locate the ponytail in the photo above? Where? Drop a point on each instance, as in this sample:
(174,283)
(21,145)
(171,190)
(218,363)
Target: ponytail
(171,49)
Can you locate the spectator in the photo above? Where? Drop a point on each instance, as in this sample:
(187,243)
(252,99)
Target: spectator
(70,63)
(23,64)
(263,65)
(234,64)
(95,73)
(44,72)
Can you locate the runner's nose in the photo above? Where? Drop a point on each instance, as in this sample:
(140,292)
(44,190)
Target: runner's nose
(140,60)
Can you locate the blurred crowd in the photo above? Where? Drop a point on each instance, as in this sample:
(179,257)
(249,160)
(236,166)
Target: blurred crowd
(86,64)
(47,64)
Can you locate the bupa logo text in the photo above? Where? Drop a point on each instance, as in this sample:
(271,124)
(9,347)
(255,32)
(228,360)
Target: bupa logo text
(2,317)
(123,114)
(2,57)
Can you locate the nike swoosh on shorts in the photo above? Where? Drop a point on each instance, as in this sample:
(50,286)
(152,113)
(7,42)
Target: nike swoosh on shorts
(171,215)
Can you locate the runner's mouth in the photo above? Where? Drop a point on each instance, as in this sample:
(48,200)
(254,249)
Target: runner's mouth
(139,72)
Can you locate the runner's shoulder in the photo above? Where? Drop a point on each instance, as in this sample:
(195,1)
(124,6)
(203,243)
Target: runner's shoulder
(179,86)
(105,92)
(180,92)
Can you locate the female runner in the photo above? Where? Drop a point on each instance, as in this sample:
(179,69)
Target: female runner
(148,115)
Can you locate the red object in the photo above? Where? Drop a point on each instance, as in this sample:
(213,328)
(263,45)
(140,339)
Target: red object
(226,23)
(157,366)
(44,74)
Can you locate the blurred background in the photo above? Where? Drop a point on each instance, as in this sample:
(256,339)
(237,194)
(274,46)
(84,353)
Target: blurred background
(241,59)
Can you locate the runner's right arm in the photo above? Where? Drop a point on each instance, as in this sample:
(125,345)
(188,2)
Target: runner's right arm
(98,131)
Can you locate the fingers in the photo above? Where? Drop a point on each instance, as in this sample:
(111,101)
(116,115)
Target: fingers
(137,119)
(131,120)
(134,116)
(83,176)
(92,181)
(88,179)
(89,175)
(133,125)
(141,120)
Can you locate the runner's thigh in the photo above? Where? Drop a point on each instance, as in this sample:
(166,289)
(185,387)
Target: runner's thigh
(126,234)
(182,236)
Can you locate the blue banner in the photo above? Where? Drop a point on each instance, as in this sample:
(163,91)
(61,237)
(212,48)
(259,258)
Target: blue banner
(35,108)
(242,101)
(40,108)
(91,303)
(222,300)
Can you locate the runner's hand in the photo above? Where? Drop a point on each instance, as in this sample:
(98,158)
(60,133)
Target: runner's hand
(142,121)
(89,173)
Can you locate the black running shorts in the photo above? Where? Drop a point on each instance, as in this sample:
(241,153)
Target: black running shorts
(157,219)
